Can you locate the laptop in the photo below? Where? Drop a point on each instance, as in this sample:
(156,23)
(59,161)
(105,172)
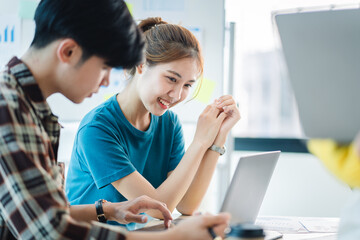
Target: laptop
(247,189)
(322,54)
(248,186)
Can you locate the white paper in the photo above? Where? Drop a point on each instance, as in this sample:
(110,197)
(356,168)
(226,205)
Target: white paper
(320,225)
(281,224)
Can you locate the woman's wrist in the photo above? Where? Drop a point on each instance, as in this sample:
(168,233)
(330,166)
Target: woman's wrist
(200,145)
(220,140)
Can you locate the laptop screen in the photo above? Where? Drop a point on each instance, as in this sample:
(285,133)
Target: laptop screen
(248,186)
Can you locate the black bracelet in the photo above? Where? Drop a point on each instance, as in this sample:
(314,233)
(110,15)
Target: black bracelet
(99,210)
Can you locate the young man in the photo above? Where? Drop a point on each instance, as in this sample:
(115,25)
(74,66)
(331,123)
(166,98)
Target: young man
(75,46)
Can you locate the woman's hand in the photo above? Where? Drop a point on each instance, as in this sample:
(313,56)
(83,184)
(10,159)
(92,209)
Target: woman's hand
(208,125)
(126,212)
(196,227)
(227,105)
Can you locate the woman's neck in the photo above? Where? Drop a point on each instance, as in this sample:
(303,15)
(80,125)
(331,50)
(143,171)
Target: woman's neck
(133,108)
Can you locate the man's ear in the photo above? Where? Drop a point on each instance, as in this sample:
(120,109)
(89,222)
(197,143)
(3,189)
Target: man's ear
(68,51)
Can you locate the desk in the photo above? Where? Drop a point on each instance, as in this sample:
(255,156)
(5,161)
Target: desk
(292,228)
(311,236)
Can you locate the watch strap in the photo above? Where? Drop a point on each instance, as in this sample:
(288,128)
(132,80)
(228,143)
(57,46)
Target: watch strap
(99,210)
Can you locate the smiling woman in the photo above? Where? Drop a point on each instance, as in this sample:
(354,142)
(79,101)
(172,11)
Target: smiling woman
(167,84)
(133,145)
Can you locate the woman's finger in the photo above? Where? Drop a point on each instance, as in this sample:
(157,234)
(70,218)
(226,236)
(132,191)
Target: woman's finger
(221,117)
(230,109)
(226,103)
(224,98)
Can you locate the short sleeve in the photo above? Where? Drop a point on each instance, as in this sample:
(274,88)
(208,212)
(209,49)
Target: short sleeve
(178,147)
(341,160)
(103,154)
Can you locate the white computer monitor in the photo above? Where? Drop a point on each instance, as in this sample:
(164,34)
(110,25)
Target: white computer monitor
(322,53)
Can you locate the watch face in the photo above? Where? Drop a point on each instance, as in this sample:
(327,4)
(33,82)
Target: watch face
(220,150)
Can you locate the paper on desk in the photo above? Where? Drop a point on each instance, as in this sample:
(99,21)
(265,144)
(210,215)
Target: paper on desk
(320,225)
(281,224)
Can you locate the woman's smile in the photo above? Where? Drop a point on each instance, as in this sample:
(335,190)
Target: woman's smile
(163,103)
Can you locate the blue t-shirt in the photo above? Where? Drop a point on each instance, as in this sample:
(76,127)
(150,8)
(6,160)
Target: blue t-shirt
(107,148)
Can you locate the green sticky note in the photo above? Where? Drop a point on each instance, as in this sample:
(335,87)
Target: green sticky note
(130,7)
(206,91)
(27,8)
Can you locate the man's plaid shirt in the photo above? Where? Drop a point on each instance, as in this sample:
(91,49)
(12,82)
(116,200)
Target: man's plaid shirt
(32,201)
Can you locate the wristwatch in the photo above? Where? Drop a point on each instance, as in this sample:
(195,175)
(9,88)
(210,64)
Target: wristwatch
(220,150)
(99,210)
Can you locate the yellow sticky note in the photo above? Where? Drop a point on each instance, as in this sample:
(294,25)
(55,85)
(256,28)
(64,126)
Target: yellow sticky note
(27,8)
(206,91)
(130,6)
(107,96)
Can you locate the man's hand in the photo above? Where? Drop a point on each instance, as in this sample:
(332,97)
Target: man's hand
(126,212)
(196,227)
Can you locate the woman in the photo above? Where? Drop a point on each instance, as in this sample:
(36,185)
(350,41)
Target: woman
(132,145)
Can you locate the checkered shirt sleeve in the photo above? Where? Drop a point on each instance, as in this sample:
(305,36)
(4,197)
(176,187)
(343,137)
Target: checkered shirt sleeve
(32,202)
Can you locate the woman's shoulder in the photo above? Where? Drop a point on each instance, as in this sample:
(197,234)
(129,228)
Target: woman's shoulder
(171,118)
(172,114)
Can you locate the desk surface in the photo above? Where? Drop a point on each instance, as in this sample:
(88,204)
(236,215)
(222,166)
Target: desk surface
(311,236)
(301,227)
(292,228)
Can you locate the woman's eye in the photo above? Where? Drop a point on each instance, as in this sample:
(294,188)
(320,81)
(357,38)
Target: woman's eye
(172,79)
(188,85)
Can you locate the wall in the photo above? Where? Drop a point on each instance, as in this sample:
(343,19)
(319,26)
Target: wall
(27,25)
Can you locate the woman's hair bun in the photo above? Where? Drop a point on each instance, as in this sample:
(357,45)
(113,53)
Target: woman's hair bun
(148,23)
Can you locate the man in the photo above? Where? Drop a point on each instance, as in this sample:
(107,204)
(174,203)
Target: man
(76,44)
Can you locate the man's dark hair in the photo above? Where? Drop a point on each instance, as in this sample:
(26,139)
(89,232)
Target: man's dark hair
(103,28)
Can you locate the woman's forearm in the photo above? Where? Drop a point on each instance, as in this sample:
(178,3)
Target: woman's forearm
(193,197)
(196,192)
(177,184)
